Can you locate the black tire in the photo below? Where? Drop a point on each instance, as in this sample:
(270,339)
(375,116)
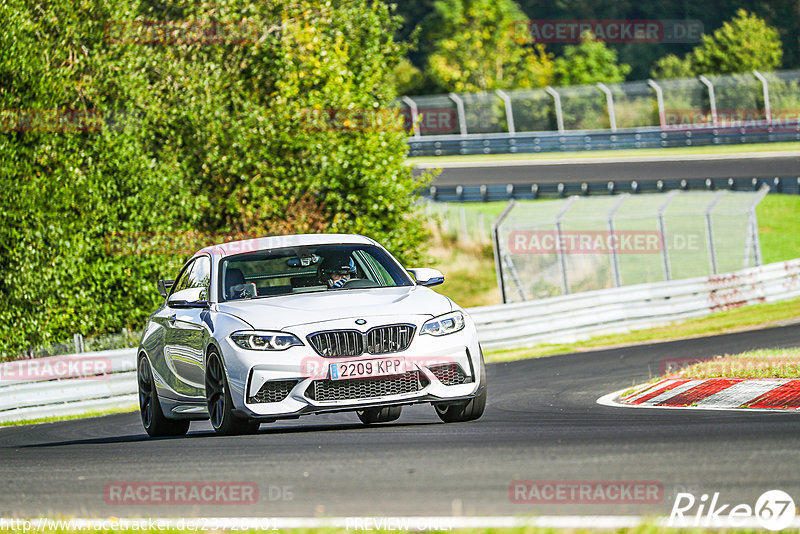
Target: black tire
(155,423)
(460,412)
(220,404)
(384,414)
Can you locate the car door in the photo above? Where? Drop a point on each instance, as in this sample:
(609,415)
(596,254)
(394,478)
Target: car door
(185,335)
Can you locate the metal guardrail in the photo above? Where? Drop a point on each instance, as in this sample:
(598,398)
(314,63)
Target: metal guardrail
(27,393)
(585,140)
(532,190)
(570,318)
(553,320)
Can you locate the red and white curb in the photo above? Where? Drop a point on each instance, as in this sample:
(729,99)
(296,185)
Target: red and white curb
(763,394)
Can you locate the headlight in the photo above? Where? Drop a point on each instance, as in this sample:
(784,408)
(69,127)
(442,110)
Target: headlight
(257,340)
(446,324)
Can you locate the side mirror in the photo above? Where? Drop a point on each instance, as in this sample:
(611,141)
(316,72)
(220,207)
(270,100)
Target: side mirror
(192,297)
(427,277)
(164,286)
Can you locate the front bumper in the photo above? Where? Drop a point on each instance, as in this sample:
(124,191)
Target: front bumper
(298,379)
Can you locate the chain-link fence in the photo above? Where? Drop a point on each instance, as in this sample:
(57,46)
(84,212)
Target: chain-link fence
(557,247)
(768,99)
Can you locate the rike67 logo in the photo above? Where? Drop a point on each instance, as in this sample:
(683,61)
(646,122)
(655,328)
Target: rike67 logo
(774,510)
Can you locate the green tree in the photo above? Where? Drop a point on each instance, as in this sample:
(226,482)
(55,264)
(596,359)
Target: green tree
(406,78)
(473,47)
(671,66)
(589,62)
(744,44)
(285,128)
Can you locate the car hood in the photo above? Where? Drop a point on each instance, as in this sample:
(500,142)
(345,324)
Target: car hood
(275,313)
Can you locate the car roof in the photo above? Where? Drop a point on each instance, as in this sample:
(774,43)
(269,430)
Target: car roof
(282,241)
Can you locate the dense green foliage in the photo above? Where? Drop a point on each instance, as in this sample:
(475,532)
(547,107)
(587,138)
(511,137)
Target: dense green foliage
(783,15)
(742,45)
(114,134)
(473,47)
(589,62)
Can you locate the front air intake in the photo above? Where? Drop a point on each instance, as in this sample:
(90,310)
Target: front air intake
(359,388)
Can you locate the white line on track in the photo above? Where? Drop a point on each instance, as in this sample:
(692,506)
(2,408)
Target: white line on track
(433,164)
(412,523)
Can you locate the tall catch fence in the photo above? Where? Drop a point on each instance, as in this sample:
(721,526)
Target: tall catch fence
(564,246)
(707,110)
(755,98)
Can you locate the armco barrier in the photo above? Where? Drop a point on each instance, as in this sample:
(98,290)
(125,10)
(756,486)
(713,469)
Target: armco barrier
(573,317)
(789,185)
(553,320)
(579,140)
(26,393)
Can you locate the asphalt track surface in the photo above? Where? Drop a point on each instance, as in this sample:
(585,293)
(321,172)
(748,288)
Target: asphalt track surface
(542,423)
(598,171)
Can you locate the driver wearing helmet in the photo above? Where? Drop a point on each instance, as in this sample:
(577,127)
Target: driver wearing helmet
(337,270)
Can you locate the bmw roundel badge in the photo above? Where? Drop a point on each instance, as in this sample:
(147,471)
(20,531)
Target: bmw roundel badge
(361,321)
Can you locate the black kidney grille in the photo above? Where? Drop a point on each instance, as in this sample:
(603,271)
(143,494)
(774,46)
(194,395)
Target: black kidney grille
(450,374)
(392,338)
(336,343)
(378,340)
(273,391)
(359,388)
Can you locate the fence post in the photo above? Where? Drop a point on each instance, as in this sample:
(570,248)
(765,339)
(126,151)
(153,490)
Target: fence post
(78,340)
(514,275)
(414,114)
(662,228)
(509,111)
(462,117)
(612,115)
(464,235)
(562,260)
(712,254)
(712,101)
(498,262)
(765,93)
(753,224)
(557,103)
(662,118)
(614,252)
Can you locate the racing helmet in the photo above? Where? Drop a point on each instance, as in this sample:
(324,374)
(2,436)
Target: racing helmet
(340,263)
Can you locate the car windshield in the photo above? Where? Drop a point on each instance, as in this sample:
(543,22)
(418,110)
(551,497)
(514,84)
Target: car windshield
(308,269)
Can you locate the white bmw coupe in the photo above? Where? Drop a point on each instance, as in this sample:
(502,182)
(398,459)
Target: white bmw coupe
(273,328)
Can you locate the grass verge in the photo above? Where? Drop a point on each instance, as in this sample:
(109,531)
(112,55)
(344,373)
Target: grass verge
(630,153)
(763,363)
(744,318)
(93,413)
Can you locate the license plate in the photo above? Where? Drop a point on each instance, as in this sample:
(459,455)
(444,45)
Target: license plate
(367,368)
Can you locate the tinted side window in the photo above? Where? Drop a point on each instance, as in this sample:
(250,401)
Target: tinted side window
(201,273)
(182,281)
